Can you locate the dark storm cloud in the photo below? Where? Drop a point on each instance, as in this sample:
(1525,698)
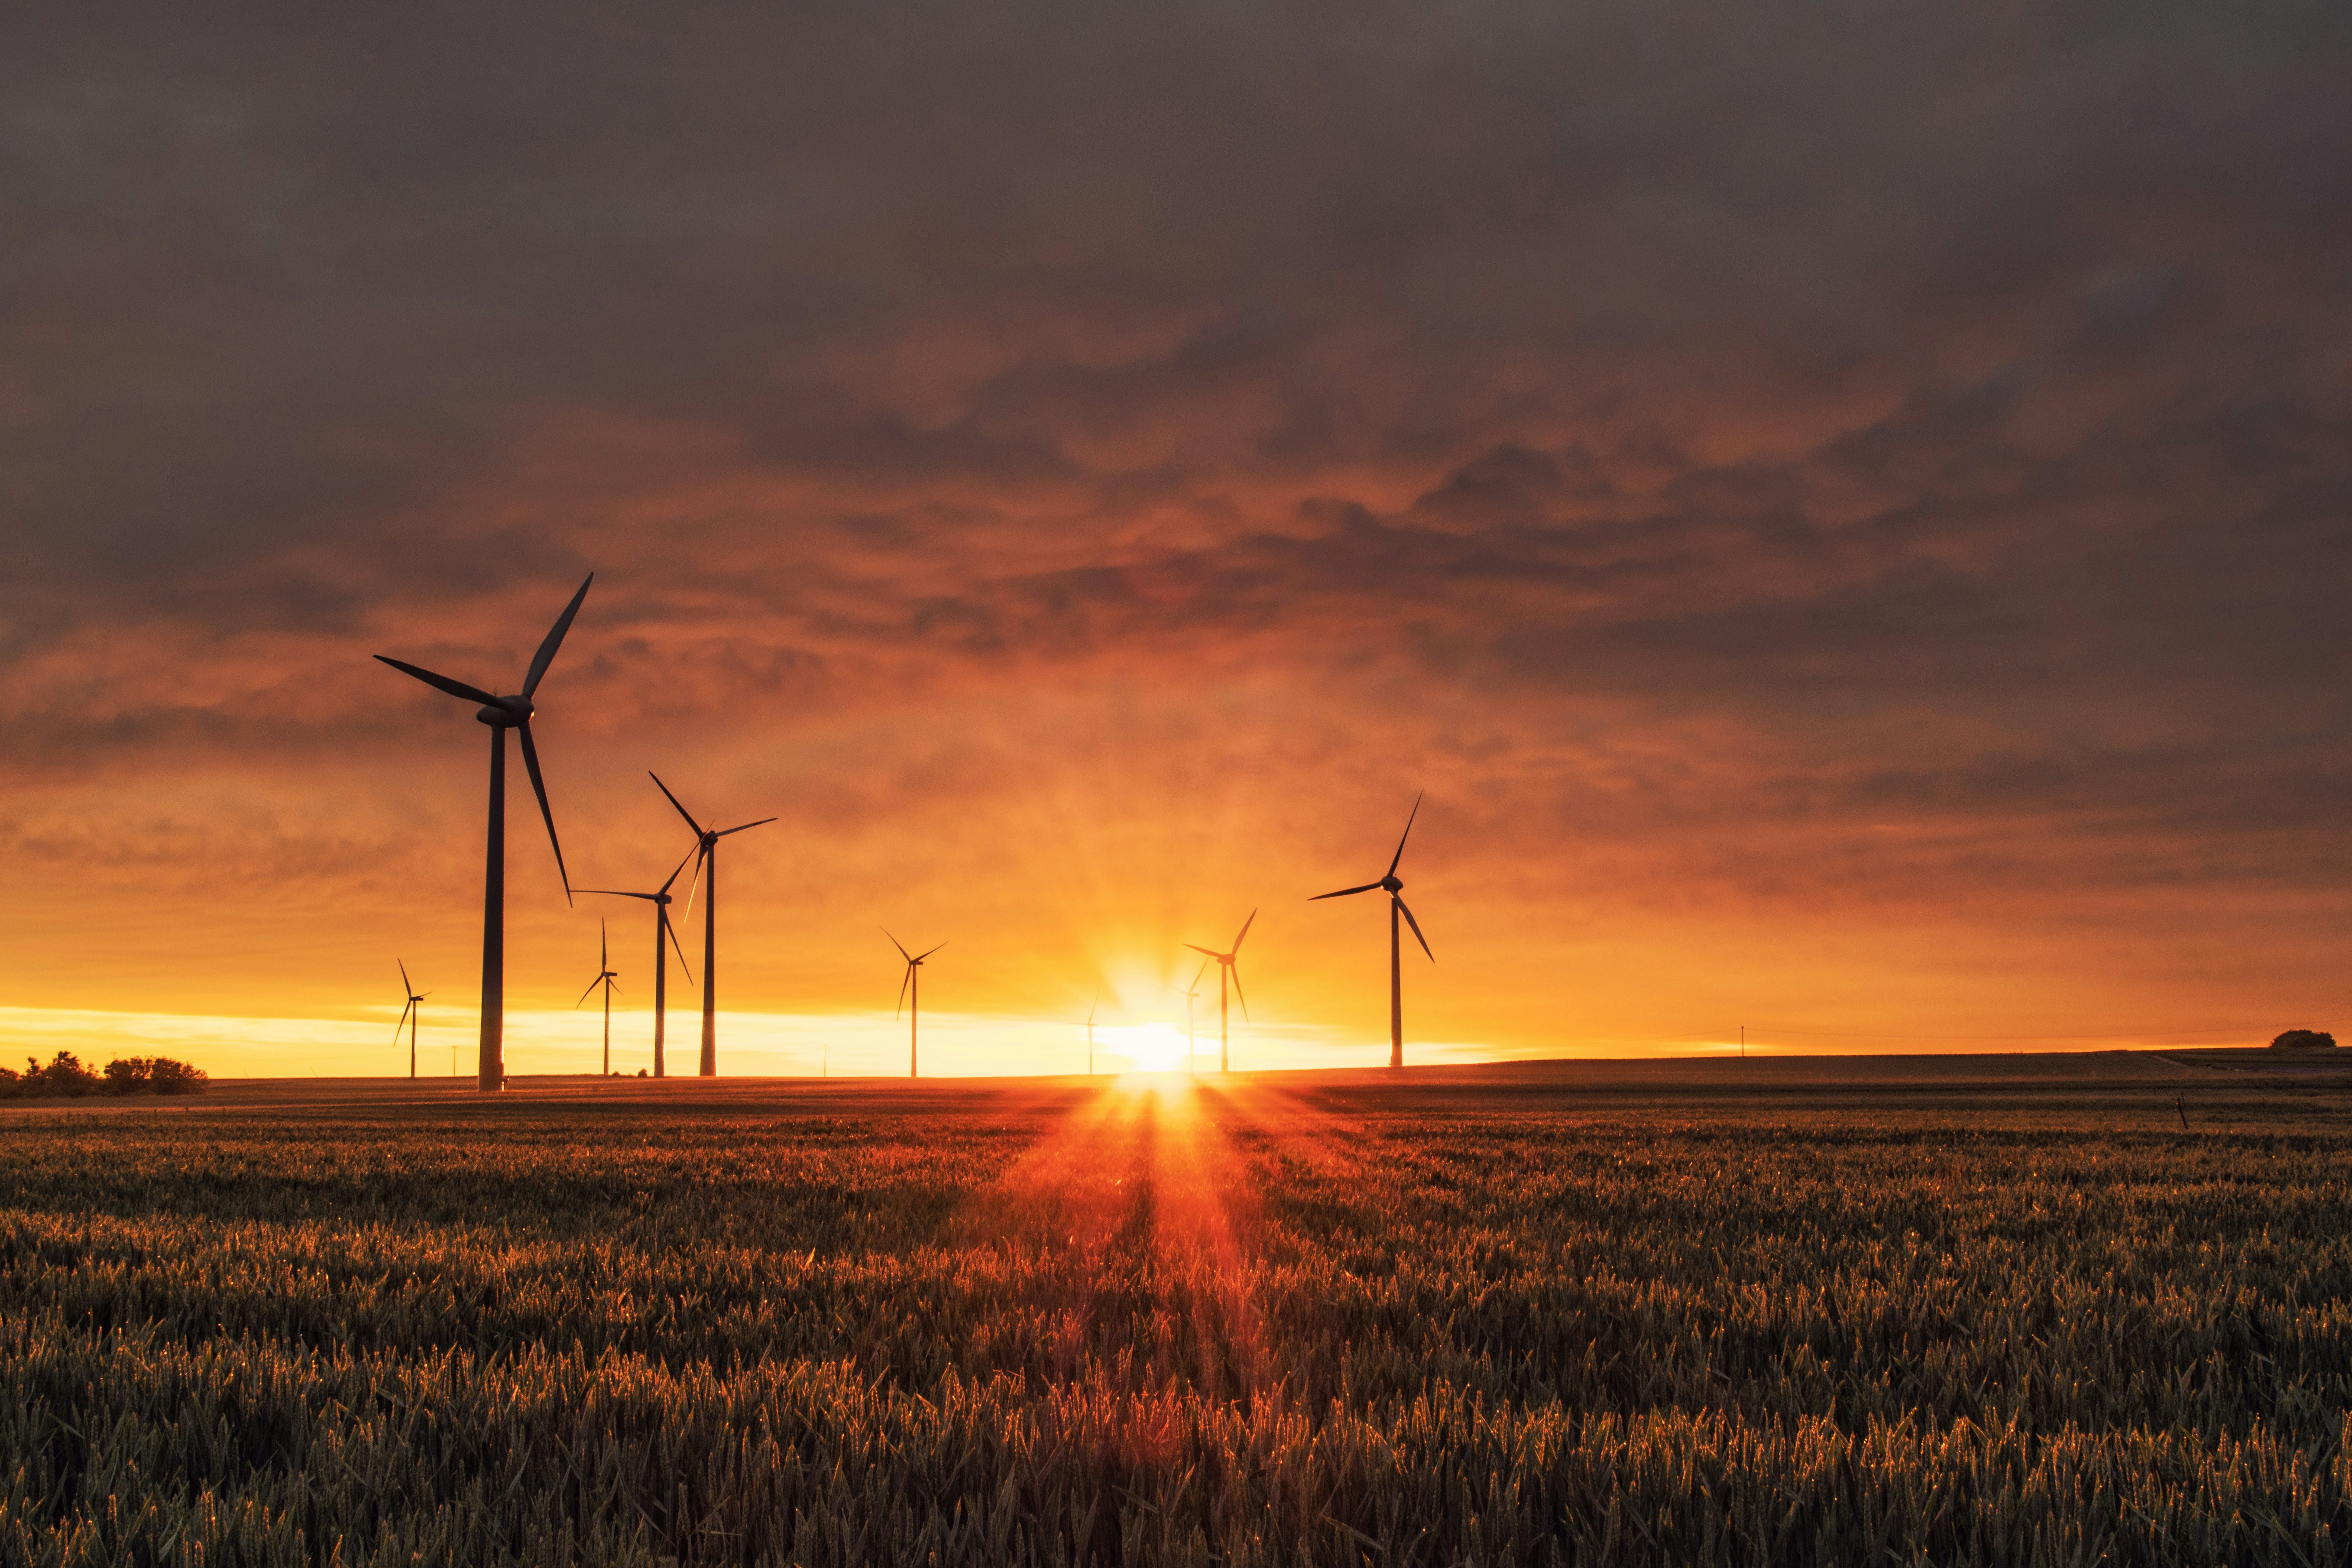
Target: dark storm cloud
(1815,368)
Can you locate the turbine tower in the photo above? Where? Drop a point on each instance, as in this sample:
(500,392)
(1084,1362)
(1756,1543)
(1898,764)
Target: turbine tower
(408,1014)
(705,858)
(660,901)
(1090,1035)
(1395,891)
(910,990)
(606,975)
(1227,972)
(501,714)
(1190,1048)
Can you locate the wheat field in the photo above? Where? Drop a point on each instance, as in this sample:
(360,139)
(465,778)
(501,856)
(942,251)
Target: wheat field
(1509,1317)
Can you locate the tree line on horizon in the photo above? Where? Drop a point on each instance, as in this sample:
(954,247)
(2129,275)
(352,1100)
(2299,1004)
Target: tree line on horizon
(65,1078)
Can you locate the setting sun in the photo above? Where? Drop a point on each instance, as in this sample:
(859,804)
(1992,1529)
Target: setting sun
(1147,1048)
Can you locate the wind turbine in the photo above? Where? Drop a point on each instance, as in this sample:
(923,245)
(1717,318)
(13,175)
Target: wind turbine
(1226,971)
(1192,1050)
(910,990)
(1090,1035)
(660,901)
(1395,891)
(606,975)
(501,714)
(408,1014)
(706,858)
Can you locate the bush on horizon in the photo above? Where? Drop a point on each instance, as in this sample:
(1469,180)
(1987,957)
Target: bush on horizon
(65,1078)
(2304,1040)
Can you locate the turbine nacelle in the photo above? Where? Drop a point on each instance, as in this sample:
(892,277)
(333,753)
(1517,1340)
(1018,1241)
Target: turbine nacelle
(1392,883)
(505,712)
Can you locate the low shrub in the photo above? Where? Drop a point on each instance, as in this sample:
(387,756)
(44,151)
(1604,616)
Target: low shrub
(65,1078)
(154,1074)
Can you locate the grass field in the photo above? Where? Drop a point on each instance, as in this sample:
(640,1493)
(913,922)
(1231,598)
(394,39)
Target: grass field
(1958,1311)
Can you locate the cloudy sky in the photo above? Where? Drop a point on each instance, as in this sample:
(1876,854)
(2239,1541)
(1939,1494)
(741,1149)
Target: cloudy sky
(1842,508)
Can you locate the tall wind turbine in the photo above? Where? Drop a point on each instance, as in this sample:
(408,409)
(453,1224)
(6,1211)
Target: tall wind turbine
(659,898)
(706,859)
(1395,891)
(606,975)
(1090,1036)
(501,714)
(408,1014)
(912,989)
(1227,972)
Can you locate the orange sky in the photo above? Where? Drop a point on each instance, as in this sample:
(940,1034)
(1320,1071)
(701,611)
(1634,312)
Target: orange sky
(1846,523)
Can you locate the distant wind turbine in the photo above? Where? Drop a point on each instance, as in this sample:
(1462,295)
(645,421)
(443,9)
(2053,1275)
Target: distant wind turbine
(910,990)
(606,975)
(408,1014)
(707,861)
(1190,1049)
(501,714)
(1395,891)
(1227,971)
(1090,1035)
(660,899)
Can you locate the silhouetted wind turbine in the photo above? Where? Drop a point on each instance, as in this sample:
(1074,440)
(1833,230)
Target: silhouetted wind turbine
(1395,891)
(910,990)
(1192,1050)
(1226,971)
(660,901)
(1090,1035)
(707,859)
(606,975)
(408,1014)
(501,714)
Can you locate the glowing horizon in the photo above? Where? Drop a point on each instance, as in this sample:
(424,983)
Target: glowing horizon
(873,1044)
(1861,562)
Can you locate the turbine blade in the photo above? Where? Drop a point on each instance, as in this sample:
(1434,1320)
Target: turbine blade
(1246,925)
(910,980)
(1237,989)
(674,942)
(546,655)
(681,866)
(539,788)
(1406,833)
(440,682)
(1344,892)
(673,800)
(590,992)
(1196,947)
(929,951)
(405,1012)
(614,892)
(603,947)
(1198,978)
(896,943)
(407,986)
(696,885)
(1416,929)
(762,823)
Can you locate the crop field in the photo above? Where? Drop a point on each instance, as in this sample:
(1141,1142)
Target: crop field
(1732,1313)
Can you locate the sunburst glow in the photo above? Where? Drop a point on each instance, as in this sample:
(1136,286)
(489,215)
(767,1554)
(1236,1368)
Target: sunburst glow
(1147,1048)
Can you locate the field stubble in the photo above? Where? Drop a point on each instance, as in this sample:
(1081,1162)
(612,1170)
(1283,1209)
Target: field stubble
(1493,1319)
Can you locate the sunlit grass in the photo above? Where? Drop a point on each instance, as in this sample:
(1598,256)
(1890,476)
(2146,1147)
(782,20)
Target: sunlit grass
(1158,1322)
